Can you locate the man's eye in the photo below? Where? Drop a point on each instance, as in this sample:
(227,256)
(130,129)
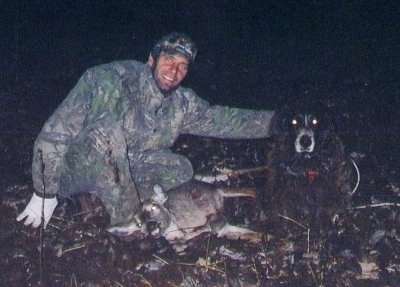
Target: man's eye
(184,67)
(167,58)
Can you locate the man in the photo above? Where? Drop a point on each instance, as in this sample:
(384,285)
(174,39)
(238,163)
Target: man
(113,133)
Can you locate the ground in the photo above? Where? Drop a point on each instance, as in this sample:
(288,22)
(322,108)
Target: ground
(75,250)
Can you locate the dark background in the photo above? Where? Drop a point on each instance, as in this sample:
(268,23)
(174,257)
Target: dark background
(257,54)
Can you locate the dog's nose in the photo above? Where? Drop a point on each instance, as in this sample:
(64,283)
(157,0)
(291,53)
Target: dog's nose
(305,141)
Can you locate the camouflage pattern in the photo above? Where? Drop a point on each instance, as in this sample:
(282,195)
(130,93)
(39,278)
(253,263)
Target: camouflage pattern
(176,43)
(115,129)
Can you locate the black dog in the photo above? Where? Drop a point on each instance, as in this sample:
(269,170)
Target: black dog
(310,182)
(309,174)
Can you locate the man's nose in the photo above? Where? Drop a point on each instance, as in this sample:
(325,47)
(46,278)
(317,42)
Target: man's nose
(173,68)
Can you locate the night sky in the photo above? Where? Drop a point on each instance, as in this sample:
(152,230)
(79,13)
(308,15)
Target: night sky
(252,54)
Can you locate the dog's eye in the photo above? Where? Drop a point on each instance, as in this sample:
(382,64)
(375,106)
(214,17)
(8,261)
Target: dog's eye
(295,122)
(314,121)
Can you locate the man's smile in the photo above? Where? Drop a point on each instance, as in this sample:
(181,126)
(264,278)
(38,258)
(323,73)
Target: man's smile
(168,78)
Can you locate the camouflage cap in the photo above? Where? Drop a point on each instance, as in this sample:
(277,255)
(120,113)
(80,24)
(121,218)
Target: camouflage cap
(176,43)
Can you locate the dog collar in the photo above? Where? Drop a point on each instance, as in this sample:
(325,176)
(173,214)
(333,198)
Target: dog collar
(310,174)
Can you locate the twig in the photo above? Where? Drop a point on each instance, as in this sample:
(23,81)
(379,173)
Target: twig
(301,225)
(72,249)
(206,265)
(55,226)
(242,171)
(255,270)
(215,269)
(63,220)
(358,177)
(73,278)
(292,220)
(313,275)
(226,173)
(226,274)
(145,281)
(208,249)
(42,219)
(119,284)
(85,212)
(383,204)
(161,259)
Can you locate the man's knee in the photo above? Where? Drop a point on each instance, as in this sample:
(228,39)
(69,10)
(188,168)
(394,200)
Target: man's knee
(175,171)
(164,168)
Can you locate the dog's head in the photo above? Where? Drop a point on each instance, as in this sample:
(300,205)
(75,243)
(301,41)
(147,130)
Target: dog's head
(306,133)
(304,126)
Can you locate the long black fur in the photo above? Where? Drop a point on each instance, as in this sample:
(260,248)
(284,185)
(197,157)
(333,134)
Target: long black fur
(312,188)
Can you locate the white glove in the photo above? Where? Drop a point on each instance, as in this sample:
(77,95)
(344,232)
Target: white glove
(33,211)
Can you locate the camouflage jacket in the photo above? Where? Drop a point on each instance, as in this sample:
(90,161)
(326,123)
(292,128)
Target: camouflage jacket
(125,92)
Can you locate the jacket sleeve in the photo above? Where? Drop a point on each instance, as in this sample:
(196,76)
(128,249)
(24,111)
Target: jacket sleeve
(52,142)
(225,122)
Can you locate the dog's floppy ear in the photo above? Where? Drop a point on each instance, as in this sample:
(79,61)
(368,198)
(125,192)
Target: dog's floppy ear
(280,122)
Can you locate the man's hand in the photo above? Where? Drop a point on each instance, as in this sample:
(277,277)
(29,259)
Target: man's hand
(33,211)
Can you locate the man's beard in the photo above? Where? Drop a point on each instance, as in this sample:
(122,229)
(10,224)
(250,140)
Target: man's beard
(165,91)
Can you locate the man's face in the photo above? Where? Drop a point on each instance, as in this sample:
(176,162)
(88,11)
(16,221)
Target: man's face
(168,71)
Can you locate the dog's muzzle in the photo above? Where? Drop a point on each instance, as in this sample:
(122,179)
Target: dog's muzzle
(305,141)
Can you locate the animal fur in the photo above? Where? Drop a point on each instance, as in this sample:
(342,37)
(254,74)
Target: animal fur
(309,174)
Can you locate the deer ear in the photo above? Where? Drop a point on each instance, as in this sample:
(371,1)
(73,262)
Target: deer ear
(159,195)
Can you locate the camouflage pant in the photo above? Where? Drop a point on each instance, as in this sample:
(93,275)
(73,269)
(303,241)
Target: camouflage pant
(98,162)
